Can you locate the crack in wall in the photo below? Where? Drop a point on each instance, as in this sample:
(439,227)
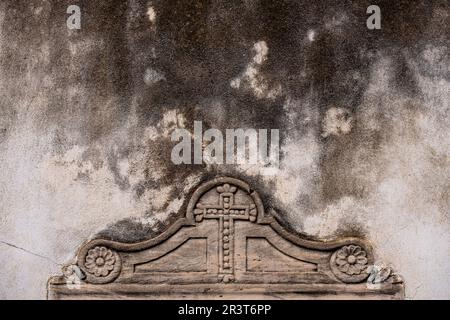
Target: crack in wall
(31,252)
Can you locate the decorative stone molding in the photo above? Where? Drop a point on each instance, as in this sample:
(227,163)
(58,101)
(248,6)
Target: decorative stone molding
(350,263)
(227,246)
(100,264)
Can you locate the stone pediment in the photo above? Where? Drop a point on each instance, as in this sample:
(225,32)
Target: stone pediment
(226,246)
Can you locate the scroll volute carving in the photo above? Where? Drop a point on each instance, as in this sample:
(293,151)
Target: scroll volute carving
(99,263)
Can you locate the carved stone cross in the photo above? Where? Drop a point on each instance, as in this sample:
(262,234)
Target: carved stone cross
(226,211)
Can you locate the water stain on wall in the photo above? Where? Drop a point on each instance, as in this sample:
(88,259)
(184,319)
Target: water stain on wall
(86,117)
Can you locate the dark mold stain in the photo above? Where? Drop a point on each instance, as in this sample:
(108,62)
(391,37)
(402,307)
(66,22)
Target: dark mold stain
(129,230)
(93,79)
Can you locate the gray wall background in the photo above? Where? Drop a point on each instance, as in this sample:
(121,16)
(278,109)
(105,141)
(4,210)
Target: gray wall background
(86,117)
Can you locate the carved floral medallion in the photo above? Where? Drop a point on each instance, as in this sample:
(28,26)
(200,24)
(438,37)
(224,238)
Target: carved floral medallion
(100,261)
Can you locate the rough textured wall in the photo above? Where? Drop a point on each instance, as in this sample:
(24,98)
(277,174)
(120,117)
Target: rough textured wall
(86,117)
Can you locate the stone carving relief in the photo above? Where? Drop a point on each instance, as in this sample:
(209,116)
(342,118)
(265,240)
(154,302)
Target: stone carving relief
(225,245)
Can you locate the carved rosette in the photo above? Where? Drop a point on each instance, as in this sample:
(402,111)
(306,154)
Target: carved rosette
(350,263)
(100,264)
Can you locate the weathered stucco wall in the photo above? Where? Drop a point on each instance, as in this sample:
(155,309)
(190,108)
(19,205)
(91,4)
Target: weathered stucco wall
(86,117)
